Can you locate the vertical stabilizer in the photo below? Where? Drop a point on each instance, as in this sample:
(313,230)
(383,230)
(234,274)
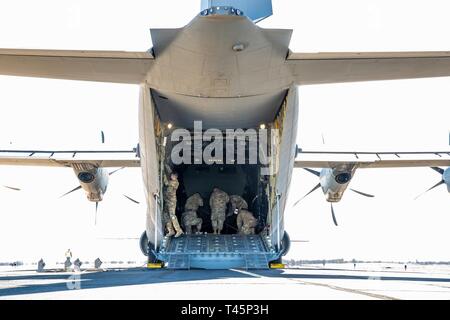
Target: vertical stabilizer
(256,10)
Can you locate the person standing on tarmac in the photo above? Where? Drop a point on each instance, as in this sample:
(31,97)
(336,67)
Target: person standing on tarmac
(68,263)
(68,254)
(170,204)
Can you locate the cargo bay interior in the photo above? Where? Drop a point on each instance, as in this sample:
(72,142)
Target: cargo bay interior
(244,180)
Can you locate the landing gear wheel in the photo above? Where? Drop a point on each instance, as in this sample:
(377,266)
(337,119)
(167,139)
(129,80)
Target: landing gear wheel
(143,244)
(145,248)
(285,244)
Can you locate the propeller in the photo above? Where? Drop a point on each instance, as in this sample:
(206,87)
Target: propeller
(96,210)
(362,193)
(112,172)
(311,191)
(96,203)
(316,173)
(12,188)
(103,136)
(438,170)
(441,172)
(435,186)
(79,187)
(69,192)
(131,199)
(333,215)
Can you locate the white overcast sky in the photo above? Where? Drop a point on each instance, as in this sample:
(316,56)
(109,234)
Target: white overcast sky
(393,115)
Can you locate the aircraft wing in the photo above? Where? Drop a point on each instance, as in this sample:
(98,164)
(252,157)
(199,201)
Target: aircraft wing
(47,158)
(104,66)
(332,159)
(320,68)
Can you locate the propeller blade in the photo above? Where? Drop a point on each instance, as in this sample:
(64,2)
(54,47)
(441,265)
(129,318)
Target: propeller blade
(96,210)
(12,188)
(437,169)
(74,189)
(333,215)
(312,190)
(131,199)
(112,172)
(103,137)
(314,172)
(435,186)
(362,193)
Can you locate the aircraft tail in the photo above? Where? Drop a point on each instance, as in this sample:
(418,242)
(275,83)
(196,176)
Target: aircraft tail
(256,10)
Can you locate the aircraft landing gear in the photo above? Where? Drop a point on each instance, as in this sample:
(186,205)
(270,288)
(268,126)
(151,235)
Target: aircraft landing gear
(145,249)
(285,246)
(143,244)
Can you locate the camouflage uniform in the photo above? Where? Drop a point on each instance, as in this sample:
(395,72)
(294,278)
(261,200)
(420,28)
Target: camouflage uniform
(193,202)
(237,203)
(170,203)
(190,217)
(246,222)
(218,203)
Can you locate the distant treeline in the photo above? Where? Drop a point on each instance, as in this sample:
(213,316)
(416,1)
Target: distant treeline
(9,264)
(293,262)
(20,263)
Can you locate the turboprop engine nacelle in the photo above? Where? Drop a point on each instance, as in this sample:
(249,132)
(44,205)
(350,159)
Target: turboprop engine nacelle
(334,182)
(93,180)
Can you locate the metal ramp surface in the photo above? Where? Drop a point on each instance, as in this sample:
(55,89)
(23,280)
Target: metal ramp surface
(209,251)
(179,261)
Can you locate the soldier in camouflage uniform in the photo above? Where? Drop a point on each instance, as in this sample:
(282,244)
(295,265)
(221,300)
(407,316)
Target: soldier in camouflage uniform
(246,222)
(218,203)
(236,203)
(189,217)
(170,204)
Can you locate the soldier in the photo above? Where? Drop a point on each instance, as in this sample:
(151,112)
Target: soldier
(68,263)
(246,222)
(218,203)
(170,204)
(193,202)
(190,217)
(237,203)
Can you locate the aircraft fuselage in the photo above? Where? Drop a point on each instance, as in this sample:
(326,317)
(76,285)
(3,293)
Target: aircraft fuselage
(228,73)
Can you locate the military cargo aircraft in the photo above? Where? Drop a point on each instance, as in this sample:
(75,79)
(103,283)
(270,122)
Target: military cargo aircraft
(222,72)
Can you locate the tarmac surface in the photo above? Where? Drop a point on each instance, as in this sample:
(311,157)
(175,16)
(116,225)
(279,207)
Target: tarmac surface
(308,282)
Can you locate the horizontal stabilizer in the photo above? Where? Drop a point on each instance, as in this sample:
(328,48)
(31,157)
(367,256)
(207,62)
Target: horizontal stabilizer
(103,66)
(335,67)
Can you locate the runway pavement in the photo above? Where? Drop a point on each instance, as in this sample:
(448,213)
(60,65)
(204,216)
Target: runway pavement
(298,283)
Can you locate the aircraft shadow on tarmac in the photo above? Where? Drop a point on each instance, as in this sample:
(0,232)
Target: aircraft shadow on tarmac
(105,279)
(355,277)
(59,281)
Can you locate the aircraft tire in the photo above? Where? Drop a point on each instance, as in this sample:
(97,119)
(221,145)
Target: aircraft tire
(143,244)
(285,244)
